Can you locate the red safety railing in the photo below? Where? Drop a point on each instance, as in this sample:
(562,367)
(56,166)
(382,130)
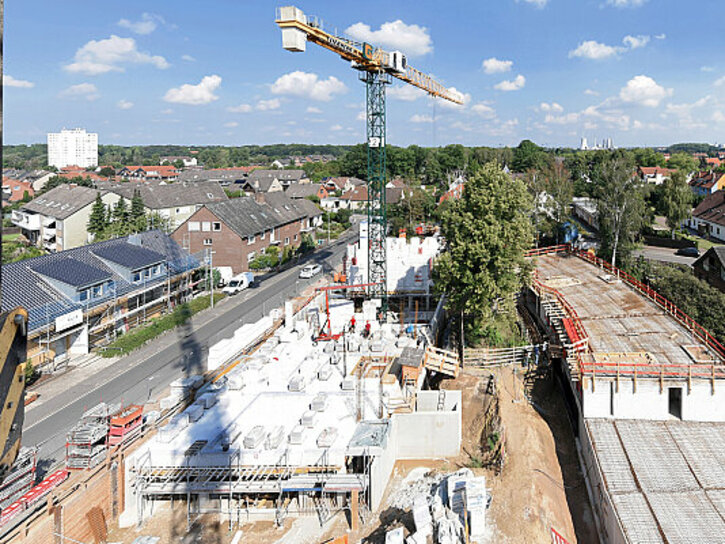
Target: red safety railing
(698,371)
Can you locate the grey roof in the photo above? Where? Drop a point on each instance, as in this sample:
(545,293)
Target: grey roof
(159,195)
(62,201)
(21,286)
(310,208)
(302,190)
(72,272)
(129,255)
(231,175)
(291,176)
(247,217)
(718,251)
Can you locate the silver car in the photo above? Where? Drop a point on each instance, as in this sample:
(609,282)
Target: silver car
(310,270)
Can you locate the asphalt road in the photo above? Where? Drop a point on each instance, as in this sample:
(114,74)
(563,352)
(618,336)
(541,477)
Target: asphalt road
(663,254)
(145,373)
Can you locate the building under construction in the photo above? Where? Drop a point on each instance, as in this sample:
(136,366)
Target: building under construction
(645,386)
(311,423)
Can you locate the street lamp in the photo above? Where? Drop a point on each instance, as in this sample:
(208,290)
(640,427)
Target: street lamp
(210,260)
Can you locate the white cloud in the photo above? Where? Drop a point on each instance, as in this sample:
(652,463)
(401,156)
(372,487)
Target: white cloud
(195,95)
(188,58)
(590,92)
(591,49)
(241,108)
(308,85)
(10,81)
(231,124)
(635,42)
(313,109)
(266,105)
(146,25)
(707,69)
(538,3)
(87,91)
(718,116)
(626,3)
(660,36)
(567,119)
(685,109)
(361,116)
(336,127)
(418,118)
(496,66)
(553,107)
(413,40)
(124,104)
(484,110)
(514,85)
(405,92)
(109,55)
(720,82)
(167,111)
(645,91)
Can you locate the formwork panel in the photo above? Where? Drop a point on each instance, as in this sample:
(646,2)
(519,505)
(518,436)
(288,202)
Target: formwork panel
(703,446)
(612,459)
(658,464)
(687,517)
(717,498)
(638,522)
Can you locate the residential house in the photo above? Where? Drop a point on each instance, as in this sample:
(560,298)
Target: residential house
(58,219)
(282,163)
(185,159)
(240,229)
(357,198)
(265,180)
(655,174)
(711,267)
(83,297)
(307,190)
(149,173)
(706,183)
(37,178)
(342,183)
(455,190)
(73,172)
(713,162)
(708,218)
(174,202)
(15,191)
(224,176)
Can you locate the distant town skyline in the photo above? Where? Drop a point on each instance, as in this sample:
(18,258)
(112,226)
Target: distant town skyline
(641,72)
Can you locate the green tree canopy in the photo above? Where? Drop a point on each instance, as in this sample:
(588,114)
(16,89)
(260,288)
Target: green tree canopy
(684,162)
(97,222)
(676,200)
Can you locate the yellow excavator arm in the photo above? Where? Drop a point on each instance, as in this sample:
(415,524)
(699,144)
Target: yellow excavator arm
(298,29)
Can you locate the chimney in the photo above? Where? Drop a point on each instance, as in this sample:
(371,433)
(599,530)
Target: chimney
(259,197)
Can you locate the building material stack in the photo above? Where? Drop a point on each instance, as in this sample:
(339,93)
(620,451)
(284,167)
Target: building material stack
(87,441)
(125,424)
(19,479)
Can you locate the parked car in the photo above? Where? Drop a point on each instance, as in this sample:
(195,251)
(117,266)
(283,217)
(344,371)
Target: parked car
(310,270)
(688,252)
(239,283)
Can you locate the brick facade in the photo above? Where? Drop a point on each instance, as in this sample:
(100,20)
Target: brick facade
(229,248)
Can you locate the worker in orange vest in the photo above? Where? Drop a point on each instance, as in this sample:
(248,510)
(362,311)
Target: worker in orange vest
(367,329)
(352,324)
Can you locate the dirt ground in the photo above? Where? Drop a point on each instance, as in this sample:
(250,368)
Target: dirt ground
(539,488)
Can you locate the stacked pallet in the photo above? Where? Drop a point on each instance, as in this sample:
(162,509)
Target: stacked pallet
(86,443)
(19,479)
(125,424)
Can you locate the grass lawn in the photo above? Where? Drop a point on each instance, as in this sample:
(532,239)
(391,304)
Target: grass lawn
(11,237)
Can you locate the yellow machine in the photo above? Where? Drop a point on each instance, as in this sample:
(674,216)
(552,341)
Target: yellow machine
(13,332)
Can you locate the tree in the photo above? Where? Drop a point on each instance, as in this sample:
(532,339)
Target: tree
(120,211)
(620,205)
(107,172)
(97,222)
(647,157)
(676,200)
(527,155)
(137,215)
(487,232)
(684,162)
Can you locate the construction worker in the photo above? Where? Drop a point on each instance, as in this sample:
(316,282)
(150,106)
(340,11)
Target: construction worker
(367,329)
(352,324)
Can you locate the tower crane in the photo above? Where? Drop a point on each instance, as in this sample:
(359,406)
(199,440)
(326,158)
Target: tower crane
(377,68)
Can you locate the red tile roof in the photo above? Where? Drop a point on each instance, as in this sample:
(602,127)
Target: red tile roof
(17,189)
(712,208)
(654,170)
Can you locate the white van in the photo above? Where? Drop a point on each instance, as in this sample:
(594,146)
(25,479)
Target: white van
(239,283)
(225,275)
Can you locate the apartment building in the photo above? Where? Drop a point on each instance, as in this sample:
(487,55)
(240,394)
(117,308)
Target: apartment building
(73,147)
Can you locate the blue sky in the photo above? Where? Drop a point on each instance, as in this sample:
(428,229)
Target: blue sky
(643,72)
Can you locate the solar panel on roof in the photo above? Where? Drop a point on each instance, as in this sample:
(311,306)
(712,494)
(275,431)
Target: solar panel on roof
(129,255)
(72,272)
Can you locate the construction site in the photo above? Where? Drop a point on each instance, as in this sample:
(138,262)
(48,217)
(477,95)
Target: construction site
(644,386)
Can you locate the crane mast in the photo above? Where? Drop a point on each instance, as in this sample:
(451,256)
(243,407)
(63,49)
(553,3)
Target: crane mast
(377,68)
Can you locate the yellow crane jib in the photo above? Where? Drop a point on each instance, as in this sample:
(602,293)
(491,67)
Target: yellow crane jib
(298,29)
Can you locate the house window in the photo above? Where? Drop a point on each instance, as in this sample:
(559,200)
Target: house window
(83,295)
(136,277)
(97,291)
(706,265)
(210,196)
(207,241)
(250,256)
(178,210)
(295,237)
(286,241)
(216,226)
(147,273)
(193,226)
(206,226)
(250,240)
(263,235)
(156,270)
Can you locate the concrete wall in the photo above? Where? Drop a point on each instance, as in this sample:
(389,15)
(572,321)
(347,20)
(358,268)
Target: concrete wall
(601,399)
(73,231)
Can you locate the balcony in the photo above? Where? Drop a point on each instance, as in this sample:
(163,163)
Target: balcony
(49,222)
(26,221)
(49,234)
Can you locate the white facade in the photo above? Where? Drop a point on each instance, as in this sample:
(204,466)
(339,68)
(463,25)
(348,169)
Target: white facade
(74,147)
